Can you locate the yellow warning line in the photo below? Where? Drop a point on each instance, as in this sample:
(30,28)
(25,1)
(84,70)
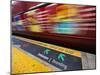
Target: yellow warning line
(22,63)
(53,47)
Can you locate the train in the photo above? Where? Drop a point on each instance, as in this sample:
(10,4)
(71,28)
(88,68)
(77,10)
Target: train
(68,25)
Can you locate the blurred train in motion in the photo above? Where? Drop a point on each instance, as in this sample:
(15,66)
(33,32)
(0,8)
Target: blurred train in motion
(68,25)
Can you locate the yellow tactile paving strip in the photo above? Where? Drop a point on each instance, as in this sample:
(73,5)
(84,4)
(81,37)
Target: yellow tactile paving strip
(22,63)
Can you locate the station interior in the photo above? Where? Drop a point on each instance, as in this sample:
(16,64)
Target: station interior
(51,37)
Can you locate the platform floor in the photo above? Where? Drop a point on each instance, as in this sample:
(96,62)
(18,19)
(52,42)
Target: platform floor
(22,63)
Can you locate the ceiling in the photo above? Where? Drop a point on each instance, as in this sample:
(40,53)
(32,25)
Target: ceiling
(21,6)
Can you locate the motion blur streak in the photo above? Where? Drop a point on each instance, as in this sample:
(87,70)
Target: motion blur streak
(56,19)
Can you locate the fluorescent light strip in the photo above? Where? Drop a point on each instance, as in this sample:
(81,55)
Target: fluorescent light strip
(88,9)
(51,5)
(30,11)
(42,15)
(43,19)
(87,24)
(41,12)
(85,15)
(37,5)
